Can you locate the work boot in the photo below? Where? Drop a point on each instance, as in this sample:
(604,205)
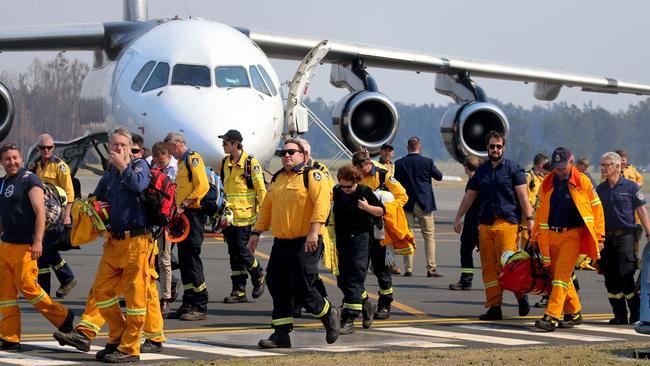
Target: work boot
(235,297)
(493,313)
(120,357)
(9,346)
(524,306)
(74,339)
(332,323)
(150,346)
(465,282)
(547,323)
(620,311)
(634,304)
(164,307)
(279,339)
(394,269)
(542,302)
(194,315)
(368,312)
(259,286)
(68,323)
(571,320)
(64,290)
(383,312)
(179,312)
(108,349)
(347,325)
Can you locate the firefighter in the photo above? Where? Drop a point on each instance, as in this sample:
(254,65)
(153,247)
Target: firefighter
(295,208)
(51,169)
(129,232)
(243,185)
(191,186)
(22,215)
(569,222)
(621,199)
(534,179)
(371,173)
(504,197)
(629,172)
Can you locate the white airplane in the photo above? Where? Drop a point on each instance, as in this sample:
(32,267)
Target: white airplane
(202,78)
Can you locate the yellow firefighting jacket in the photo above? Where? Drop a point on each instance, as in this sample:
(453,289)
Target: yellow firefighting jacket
(245,201)
(632,174)
(56,171)
(198,187)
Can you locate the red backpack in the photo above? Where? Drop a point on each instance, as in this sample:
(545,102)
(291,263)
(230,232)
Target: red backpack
(524,272)
(159,199)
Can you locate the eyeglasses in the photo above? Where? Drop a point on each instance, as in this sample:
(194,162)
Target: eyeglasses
(43,147)
(495,146)
(135,151)
(346,187)
(605,166)
(289,151)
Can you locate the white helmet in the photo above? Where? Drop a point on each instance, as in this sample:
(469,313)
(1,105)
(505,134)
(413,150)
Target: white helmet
(225,219)
(384,196)
(505,256)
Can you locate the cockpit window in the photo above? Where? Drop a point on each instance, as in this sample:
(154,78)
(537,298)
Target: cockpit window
(268,80)
(258,82)
(231,77)
(191,75)
(159,78)
(142,76)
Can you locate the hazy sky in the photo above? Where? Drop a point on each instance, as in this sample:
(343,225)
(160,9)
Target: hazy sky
(596,37)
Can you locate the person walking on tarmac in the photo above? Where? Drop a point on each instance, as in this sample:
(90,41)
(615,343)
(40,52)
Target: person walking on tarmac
(295,208)
(243,184)
(469,237)
(375,176)
(191,186)
(355,207)
(386,153)
(22,217)
(51,169)
(621,198)
(569,222)
(504,196)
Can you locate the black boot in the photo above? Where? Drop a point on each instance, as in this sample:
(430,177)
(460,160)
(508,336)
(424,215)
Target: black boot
(279,339)
(74,339)
(383,312)
(347,324)
(524,306)
(108,349)
(571,320)
(547,323)
(634,304)
(235,297)
(259,284)
(493,313)
(332,323)
(465,282)
(620,311)
(368,311)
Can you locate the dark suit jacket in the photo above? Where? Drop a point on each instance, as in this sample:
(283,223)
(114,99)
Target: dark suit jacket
(414,172)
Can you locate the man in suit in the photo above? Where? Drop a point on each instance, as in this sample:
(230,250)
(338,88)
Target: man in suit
(415,171)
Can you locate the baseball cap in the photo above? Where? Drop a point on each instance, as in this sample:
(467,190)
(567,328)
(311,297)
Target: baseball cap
(232,135)
(387,146)
(560,157)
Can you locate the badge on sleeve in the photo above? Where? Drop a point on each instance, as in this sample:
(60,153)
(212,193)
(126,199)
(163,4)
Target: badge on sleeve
(392,179)
(317,176)
(256,169)
(62,168)
(138,169)
(640,196)
(195,162)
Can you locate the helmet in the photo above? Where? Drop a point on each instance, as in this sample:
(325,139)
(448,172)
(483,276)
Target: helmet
(505,256)
(224,220)
(384,196)
(178,228)
(103,210)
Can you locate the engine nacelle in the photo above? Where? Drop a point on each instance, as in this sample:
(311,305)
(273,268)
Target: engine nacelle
(464,128)
(366,119)
(7,111)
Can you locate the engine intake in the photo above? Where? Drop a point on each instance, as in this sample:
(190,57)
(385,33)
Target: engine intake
(7,111)
(366,119)
(464,128)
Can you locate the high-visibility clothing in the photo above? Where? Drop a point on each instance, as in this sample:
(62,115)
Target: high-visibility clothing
(289,207)
(495,239)
(86,224)
(245,200)
(92,321)
(18,272)
(588,204)
(330,255)
(133,272)
(534,184)
(632,174)
(390,182)
(198,187)
(563,252)
(56,171)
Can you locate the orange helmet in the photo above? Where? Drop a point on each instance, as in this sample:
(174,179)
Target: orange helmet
(103,210)
(178,228)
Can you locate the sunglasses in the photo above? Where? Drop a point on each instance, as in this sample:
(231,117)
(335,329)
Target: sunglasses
(289,151)
(135,151)
(495,147)
(346,187)
(43,147)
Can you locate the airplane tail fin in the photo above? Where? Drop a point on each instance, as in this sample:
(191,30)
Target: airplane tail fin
(136,10)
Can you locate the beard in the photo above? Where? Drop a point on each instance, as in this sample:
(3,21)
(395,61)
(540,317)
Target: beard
(495,157)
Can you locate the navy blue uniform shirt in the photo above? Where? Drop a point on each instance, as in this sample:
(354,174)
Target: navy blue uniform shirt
(16,209)
(563,211)
(620,202)
(497,189)
(123,192)
(472,215)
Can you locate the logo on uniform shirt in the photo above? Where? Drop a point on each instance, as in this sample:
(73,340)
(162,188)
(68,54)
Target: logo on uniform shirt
(9,191)
(195,161)
(138,169)
(392,180)
(317,176)
(256,169)
(639,195)
(62,168)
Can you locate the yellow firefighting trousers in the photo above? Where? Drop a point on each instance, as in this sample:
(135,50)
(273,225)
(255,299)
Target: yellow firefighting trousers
(564,248)
(494,240)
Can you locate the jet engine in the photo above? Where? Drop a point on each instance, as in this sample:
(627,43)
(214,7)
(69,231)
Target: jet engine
(365,119)
(465,126)
(7,110)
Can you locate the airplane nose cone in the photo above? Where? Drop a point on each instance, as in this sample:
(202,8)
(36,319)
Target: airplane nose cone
(206,142)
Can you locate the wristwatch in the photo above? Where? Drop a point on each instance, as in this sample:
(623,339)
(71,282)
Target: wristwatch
(530,218)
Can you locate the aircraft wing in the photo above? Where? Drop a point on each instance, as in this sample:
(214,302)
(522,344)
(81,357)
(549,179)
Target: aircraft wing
(295,48)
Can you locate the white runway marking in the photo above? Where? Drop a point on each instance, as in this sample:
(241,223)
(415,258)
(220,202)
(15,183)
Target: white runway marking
(216,350)
(556,334)
(54,345)
(423,344)
(338,349)
(21,359)
(462,336)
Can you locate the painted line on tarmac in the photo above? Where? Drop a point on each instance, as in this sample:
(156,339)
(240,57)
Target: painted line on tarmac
(397,304)
(460,336)
(527,332)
